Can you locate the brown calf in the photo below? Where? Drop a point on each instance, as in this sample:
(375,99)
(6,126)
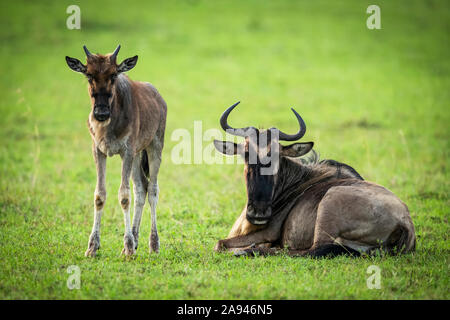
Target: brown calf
(127,118)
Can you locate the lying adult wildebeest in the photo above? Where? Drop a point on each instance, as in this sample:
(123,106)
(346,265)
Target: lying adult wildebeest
(312,208)
(127,118)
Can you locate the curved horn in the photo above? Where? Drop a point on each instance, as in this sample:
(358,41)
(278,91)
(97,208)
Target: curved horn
(114,55)
(241,132)
(88,54)
(292,137)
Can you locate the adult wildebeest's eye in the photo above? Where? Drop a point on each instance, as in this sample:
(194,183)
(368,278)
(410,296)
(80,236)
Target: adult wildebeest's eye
(113,77)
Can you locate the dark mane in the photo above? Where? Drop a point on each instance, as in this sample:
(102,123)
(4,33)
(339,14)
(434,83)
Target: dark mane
(123,90)
(122,110)
(296,176)
(342,169)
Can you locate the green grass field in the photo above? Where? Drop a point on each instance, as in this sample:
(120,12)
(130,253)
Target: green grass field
(375,99)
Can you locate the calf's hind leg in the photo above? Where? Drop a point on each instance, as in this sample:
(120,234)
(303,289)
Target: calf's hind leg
(140,185)
(154,160)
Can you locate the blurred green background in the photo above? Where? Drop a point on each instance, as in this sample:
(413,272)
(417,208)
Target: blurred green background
(375,99)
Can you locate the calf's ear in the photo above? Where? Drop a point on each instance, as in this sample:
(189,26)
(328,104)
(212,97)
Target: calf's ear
(75,65)
(296,149)
(229,148)
(127,64)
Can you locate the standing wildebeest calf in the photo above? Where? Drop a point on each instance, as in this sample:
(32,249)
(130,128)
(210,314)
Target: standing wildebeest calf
(127,118)
(311,208)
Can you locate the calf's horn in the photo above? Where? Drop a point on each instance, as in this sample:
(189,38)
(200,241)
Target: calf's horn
(88,54)
(114,55)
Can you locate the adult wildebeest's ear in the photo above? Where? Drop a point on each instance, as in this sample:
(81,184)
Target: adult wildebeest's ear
(127,64)
(75,65)
(296,149)
(226,147)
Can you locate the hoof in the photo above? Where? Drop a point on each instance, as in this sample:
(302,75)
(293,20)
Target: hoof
(243,252)
(240,253)
(93,245)
(220,246)
(129,246)
(154,243)
(136,240)
(90,253)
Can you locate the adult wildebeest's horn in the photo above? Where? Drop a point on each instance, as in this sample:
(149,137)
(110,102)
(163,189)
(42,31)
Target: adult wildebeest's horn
(114,55)
(292,137)
(242,132)
(88,54)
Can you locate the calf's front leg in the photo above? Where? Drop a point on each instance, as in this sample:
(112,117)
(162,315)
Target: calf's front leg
(99,202)
(125,200)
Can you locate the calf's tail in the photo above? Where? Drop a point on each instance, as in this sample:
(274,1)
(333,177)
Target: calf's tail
(144,163)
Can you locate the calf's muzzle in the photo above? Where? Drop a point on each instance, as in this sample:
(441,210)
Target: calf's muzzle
(101,112)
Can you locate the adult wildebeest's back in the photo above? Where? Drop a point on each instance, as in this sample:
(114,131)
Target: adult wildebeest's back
(379,218)
(328,199)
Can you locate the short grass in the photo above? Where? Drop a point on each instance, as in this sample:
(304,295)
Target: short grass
(375,99)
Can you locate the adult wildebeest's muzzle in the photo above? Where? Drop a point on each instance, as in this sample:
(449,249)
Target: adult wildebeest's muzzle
(102,112)
(259,213)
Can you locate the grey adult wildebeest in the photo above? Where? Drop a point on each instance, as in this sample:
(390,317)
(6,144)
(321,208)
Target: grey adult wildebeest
(312,208)
(127,118)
